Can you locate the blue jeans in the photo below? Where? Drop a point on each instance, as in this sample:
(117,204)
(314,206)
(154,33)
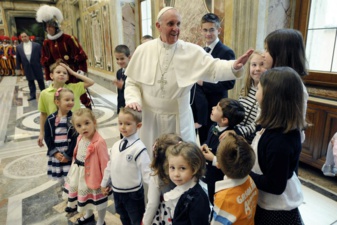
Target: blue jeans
(130,206)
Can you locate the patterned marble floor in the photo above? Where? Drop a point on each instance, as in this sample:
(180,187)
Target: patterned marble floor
(28,197)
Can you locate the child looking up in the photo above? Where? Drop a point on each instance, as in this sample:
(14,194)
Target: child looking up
(226,114)
(82,186)
(187,202)
(60,135)
(129,164)
(160,182)
(278,147)
(236,195)
(59,73)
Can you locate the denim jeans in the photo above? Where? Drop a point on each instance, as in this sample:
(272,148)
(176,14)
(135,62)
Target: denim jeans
(130,206)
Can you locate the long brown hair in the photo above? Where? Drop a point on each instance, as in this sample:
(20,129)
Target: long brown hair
(159,154)
(282,101)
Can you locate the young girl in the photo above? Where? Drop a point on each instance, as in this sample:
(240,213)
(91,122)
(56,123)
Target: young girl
(82,185)
(159,181)
(285,47)
(59,74)
(60,135)
(247,97)
(278,147)
(187,202)
(247,127)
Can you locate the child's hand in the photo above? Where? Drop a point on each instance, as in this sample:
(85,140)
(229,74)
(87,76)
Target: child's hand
(105,190)
(58,156)
(119,83)
(69,70)
(40,141)
(224,134)
(64,159)
(206,151)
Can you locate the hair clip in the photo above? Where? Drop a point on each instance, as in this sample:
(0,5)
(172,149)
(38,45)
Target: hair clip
(57,93)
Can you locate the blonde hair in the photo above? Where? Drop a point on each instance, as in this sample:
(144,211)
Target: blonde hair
(137,116)
(56,64)
(81,112)
(59,93)
(248,79)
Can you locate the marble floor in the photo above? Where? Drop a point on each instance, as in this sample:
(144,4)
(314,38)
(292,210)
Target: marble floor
(28,197)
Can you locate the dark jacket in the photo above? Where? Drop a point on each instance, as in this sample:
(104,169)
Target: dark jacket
(32,68)
(278,155)
(49,136)
(215,92)
(120,97)
(192,208)
(213,173)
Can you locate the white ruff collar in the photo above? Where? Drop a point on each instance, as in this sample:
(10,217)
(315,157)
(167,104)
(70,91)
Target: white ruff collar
(176,192)
(56,36)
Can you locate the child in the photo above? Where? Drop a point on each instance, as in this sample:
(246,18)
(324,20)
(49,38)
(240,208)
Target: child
(146,38)
(59,74)
(159,181)
(330,166)
(278,147)
(187,202)
(226,114)
(129,163)
(82,186)
(60,136)
(247,98)
(284,47)
(122,54)
(236,195)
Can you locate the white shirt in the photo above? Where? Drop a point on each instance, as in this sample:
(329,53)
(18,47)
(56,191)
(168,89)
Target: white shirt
(27,48)
(212,45)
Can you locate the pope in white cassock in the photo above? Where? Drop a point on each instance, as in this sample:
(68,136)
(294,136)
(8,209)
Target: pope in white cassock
(161,74)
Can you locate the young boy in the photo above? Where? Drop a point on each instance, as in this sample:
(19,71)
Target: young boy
(129,163)
(236,195)
(122,54)
(226,114)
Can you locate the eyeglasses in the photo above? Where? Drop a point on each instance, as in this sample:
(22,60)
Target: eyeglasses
(211,30)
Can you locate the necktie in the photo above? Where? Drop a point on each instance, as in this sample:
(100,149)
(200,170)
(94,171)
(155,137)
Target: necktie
(124,144)
(207,49)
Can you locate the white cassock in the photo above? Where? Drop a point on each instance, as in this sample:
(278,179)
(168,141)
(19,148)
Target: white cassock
(160,77)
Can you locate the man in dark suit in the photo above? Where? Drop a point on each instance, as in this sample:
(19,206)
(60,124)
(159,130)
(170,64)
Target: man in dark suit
(210,28)
(28,54)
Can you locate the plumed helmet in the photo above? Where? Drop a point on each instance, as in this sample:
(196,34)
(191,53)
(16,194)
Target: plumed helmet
(49,15)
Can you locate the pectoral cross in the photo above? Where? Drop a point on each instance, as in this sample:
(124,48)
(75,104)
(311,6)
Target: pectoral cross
(162,83)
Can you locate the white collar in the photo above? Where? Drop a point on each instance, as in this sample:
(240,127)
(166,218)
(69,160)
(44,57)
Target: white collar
(54,37)
(212,45)
(132,138)
(176,192)
(27,43)
(166,45)
(228,183)
(220,129)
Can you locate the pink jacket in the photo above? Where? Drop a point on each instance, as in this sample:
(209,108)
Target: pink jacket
(96,160)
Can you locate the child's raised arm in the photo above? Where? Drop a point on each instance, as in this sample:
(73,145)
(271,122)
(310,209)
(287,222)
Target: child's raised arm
(86,80)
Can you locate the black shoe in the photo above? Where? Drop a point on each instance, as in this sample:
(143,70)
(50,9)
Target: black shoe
(91,218)
(31,98)
(70,210)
